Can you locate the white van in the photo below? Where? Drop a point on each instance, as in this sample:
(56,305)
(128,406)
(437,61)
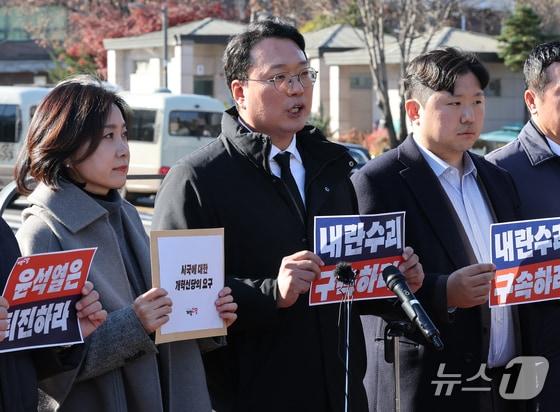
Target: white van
(17,105)
(164,127)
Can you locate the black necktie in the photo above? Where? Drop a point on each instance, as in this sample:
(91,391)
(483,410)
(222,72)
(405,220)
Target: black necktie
(283,160)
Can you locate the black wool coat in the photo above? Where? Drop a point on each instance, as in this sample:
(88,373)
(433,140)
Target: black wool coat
(18,379)
(276,359)
(20,371)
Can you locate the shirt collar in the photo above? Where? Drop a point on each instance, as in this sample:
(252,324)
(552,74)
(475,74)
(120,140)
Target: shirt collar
(535,143)
(292,148)
(440,166)
(555,147)
(242,123)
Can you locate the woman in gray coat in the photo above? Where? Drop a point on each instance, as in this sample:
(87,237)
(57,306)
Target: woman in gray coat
(77,151)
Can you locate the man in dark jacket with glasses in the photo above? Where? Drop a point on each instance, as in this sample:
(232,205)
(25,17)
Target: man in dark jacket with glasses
(264,179)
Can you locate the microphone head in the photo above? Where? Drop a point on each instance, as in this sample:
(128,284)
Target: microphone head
(391,275)
(344,273)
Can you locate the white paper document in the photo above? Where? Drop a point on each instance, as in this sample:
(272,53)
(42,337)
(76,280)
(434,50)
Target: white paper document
(189,265)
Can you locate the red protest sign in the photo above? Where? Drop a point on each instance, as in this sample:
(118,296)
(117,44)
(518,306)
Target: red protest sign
(48,275)
(42,291)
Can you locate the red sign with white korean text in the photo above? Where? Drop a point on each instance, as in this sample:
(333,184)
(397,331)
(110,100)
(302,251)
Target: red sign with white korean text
(366,243)
(42,291)
(527,258)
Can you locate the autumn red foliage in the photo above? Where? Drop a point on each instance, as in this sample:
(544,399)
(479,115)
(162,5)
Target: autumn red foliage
(108,21)
(91,21)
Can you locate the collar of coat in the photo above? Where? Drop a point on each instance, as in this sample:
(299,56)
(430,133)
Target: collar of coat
(69,205)
(534,144)
(315,149)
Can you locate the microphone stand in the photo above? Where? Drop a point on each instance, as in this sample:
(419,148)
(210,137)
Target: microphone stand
(346,276)
(348,303)
(393,332)
(395,281)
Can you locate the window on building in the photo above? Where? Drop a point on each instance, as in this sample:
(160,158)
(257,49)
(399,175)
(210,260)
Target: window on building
(195,124)
(203,85)
(360,81)
(142,125)
(494,88)
(10,123)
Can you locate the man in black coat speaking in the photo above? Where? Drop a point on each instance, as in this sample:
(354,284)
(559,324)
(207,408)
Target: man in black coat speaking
(263,180)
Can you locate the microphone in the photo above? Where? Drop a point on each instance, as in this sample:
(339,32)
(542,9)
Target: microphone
(396,283)
(344,273)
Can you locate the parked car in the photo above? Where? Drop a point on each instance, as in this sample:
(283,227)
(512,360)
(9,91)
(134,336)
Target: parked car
(163,128)
(359,153)
(490,141)
(17,106)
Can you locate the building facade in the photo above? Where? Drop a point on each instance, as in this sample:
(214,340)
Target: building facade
(194,59)
(343,92)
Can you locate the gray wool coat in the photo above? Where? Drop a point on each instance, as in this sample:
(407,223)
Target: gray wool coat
(70,219)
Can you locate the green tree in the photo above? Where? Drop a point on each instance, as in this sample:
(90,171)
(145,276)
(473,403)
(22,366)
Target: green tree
(321,122)
(520,33)
(66,65)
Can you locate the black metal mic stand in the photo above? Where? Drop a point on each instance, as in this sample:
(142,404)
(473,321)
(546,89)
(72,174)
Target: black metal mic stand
(393,332)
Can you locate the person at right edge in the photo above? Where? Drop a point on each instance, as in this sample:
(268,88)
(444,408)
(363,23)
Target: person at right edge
(534,163)
(451,197)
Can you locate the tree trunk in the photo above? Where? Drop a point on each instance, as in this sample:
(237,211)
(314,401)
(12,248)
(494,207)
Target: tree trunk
(403,131)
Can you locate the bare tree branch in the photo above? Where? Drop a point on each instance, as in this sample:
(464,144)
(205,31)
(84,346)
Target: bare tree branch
(414,23)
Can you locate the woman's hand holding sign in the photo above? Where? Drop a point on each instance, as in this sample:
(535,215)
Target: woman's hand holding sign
(153,308)
(226,307)
(90,311)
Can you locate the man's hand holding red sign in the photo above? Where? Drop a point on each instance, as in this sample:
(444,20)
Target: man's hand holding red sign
(412,270)
(296,273)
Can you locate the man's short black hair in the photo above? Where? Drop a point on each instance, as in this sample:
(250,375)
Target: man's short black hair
(237,56)
(537,62)
(438,69)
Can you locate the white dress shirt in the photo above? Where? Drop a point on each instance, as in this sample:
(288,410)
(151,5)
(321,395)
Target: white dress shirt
(555,147)
(296,163)
(474,214)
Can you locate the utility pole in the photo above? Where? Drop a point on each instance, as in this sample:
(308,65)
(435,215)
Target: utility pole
(164,25)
